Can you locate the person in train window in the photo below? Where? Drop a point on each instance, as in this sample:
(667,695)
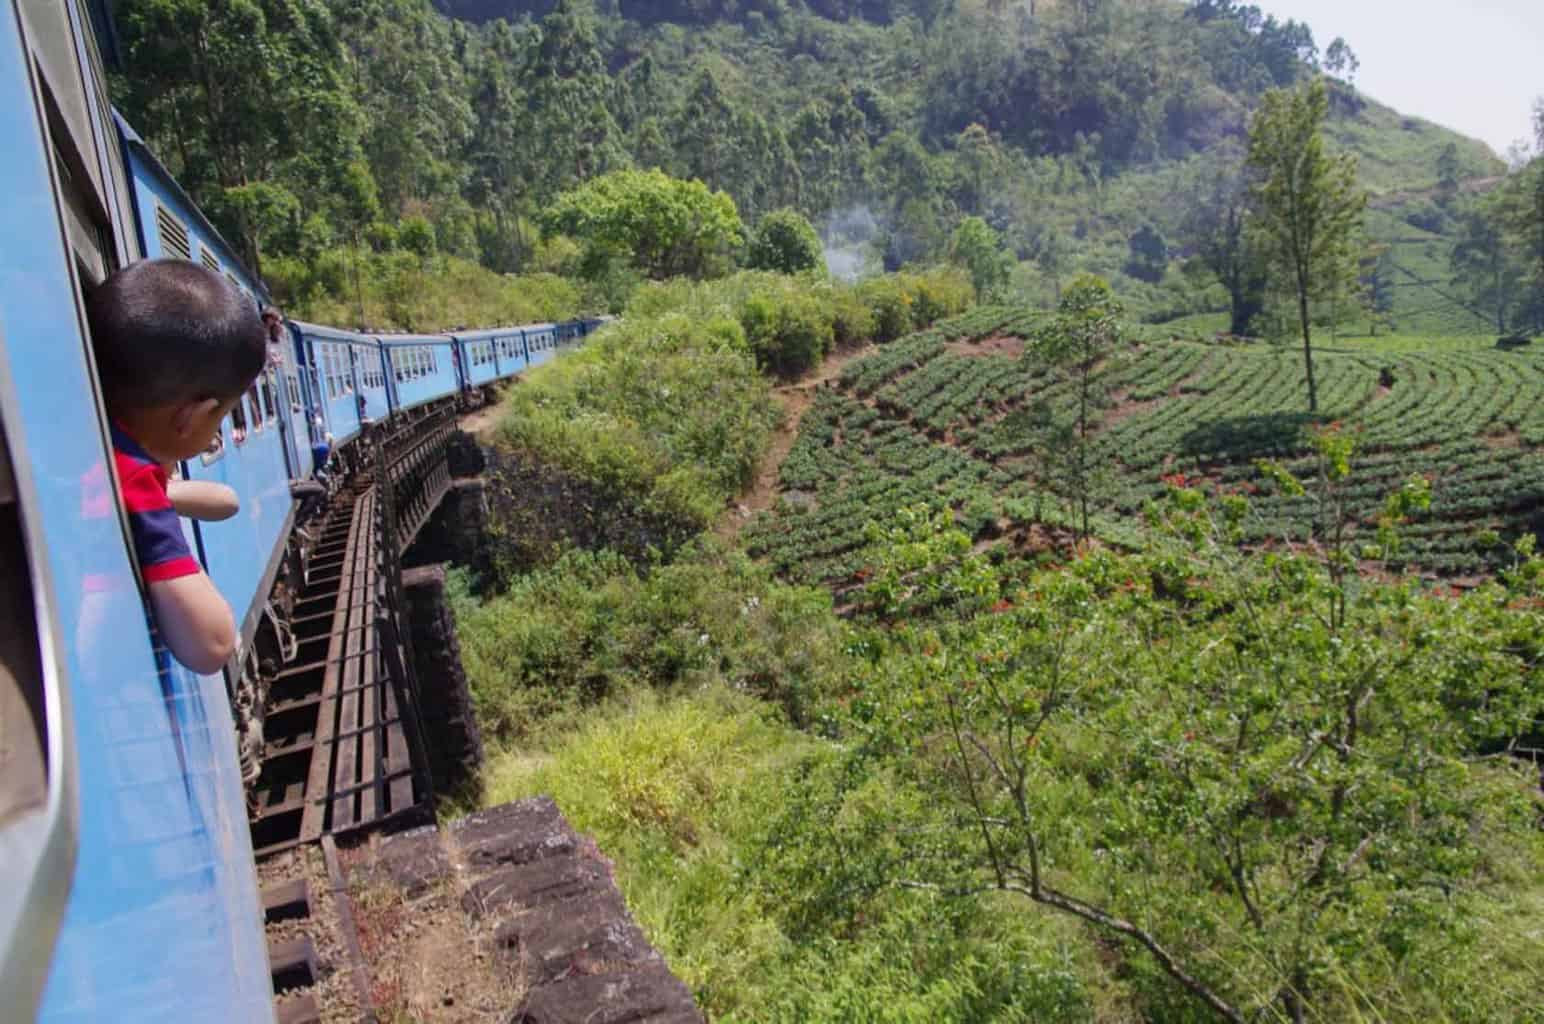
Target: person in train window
(177,346)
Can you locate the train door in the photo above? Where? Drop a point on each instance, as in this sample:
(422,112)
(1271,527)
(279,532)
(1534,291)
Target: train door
(292,414)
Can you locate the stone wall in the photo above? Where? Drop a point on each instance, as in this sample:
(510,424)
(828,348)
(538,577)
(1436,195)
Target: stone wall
(450,721)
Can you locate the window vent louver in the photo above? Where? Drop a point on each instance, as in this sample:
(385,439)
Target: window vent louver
(174,237)
(207,259)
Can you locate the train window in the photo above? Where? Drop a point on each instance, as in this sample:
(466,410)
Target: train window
(238,420)
(267,387)
(207,258)
(292,382)
(173,234)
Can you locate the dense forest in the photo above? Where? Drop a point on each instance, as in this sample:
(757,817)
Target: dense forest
(1086,135)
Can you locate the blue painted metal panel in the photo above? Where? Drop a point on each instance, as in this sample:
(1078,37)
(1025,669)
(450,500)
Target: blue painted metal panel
(423,367)
(163,920)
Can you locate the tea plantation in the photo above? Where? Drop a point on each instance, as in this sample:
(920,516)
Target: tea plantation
(948,416)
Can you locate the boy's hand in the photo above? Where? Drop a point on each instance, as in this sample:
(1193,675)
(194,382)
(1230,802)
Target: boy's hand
(195,622)
(203,499)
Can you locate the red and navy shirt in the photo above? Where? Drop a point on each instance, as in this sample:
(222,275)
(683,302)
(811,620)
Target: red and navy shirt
(158,541)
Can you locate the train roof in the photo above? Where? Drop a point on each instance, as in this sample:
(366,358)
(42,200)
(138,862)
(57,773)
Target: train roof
(498,332)
(326,333)
(392,340)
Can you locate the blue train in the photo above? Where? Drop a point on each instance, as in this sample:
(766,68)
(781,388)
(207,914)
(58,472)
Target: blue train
(129,889)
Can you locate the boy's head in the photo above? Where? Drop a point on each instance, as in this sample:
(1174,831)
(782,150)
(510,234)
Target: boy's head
(176,346)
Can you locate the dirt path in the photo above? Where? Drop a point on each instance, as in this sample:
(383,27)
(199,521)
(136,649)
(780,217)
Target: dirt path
(480,423)
(794,398)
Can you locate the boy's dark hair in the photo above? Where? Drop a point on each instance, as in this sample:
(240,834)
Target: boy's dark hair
(168,331)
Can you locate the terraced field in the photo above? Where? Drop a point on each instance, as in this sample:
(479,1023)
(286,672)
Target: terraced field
(940,417)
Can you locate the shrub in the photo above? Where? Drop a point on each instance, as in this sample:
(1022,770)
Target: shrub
(890,305)
(786,243)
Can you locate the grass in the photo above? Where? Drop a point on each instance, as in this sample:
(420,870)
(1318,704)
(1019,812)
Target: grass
(737,845)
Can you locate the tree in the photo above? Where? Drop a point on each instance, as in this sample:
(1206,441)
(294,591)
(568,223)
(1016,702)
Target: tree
(1079,337)
(785,242)
(1377,287)
(1484,264)
(1217,228)
(978,249)
(1308,205)
(1448,171)
(663,226)
(1341,61)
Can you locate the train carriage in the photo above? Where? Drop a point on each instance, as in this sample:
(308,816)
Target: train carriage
(419,368)
(491,355)
(541,343)
(345,373)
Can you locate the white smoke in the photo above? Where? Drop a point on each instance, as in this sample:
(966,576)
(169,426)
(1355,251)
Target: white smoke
(847,238)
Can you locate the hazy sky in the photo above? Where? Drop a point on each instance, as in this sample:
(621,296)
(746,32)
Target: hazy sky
(1474,66)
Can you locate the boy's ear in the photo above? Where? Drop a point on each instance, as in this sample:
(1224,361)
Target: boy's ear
(190,414)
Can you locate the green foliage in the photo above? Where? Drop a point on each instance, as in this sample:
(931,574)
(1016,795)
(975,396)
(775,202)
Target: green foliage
(1188,746)
(759,860)
(401,290)
(662,226)
(1068,132)
(785,242)
(626,411)
(416,235)
(592,627)
(977,248)
(1177,752)
(922,421)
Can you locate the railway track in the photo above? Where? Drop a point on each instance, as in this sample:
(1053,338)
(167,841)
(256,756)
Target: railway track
(343,744)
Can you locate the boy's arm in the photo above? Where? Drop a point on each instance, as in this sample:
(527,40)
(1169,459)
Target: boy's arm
(191,616)
(203,499)
(195,621)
